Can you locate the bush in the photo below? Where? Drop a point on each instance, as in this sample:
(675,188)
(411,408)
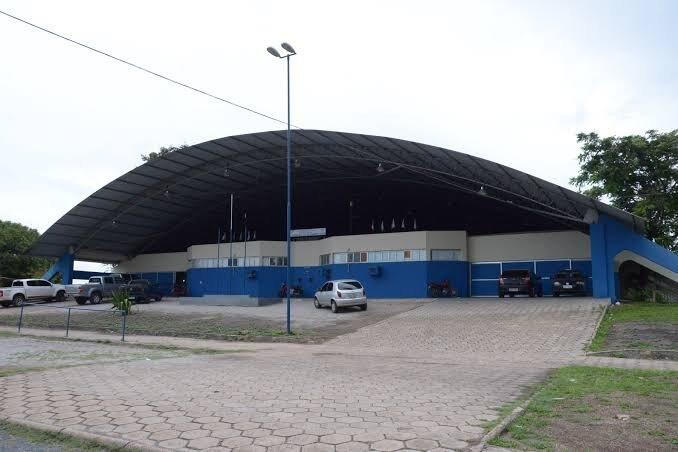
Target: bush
(120,300)
(645,295)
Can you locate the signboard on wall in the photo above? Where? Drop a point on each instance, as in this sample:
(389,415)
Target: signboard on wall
(308,234)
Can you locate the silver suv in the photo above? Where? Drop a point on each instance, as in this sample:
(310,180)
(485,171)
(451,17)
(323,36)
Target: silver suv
(341,293)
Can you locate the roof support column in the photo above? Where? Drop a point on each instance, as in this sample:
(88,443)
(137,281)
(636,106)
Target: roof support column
(64,267)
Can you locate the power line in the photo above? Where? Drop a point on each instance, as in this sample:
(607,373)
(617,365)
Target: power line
(141,68)
(185,85)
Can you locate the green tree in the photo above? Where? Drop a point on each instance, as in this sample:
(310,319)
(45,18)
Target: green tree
(636,173)
(163,152)
(15,240)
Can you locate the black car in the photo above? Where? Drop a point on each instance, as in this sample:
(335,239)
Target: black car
(143,291)
(519,282)
(569,282)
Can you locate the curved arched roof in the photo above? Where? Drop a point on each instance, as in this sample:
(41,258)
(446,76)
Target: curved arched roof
(181,199)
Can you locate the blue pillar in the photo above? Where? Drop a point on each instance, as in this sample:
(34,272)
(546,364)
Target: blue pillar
(599,261)
(64,266)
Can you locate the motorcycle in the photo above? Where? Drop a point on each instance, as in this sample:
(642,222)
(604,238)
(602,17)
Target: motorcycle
(441,290)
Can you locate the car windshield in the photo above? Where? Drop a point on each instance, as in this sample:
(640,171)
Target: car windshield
(515,274)
(568,274)
(96,280)
(349,285)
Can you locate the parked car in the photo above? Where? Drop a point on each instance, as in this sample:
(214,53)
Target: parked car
(341,293)
(569,282)
(519,282)
(142,291)
(22,290)
(97,289)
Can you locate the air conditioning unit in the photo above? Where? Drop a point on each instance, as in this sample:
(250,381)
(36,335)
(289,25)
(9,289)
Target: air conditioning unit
(374,271)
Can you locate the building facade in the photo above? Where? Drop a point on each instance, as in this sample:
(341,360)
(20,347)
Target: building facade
(398,215)
(390,265)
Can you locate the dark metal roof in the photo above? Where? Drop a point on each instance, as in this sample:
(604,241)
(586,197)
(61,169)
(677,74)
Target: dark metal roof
(169,203)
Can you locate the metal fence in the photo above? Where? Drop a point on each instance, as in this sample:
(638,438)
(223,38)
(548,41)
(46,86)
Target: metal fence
(67,314)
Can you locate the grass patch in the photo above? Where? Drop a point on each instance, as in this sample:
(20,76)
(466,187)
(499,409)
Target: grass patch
(633,312)
(576,407)
(162,347)
(208,326)
(65,443)
(8,372)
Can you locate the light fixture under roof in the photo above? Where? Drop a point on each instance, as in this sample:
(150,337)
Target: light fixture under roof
(482,191)
(380,168)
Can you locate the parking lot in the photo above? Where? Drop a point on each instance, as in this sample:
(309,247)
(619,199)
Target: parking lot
(169,318)
(425,378)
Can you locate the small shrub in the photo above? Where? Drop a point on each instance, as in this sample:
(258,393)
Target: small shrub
(639,295)
(120,300)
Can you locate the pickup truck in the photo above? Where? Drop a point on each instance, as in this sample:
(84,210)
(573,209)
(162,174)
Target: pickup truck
(96,289)
(22,290)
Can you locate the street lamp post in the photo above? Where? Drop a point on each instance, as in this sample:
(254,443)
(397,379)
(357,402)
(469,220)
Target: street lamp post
(290,51)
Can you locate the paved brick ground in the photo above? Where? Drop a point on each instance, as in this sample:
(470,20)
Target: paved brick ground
(426,379)
(522,329)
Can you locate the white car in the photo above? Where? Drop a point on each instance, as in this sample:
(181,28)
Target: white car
(341,293)
(22,290)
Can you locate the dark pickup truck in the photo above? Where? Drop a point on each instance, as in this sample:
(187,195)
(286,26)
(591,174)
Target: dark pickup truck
(142,291)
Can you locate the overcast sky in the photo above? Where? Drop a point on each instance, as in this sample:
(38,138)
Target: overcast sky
(512,82)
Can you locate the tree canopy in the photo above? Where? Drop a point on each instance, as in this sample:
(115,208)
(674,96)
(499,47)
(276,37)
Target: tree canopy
(637,173)
(162,152)
(15,240)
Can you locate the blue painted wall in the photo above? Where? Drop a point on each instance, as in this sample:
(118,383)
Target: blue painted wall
(608,239)
(164,280)
(395,279)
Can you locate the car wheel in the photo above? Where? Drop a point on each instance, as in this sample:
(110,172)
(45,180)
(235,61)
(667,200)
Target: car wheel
(316,303)
(95,298)
(363,307)
(511,295)
(159,298)
(531,293)
(501,295)
(334,306)
(61,296)
(81,300)
(540,293)
(556,294)
(18,300)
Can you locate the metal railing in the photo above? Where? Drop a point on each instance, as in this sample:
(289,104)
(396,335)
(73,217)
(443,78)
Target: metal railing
(68,309)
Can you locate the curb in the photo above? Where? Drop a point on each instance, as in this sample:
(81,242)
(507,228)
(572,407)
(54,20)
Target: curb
(501,426)
(595,330)
(85,435)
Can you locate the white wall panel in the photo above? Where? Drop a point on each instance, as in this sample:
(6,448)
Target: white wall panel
(161,262)
(529,246)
